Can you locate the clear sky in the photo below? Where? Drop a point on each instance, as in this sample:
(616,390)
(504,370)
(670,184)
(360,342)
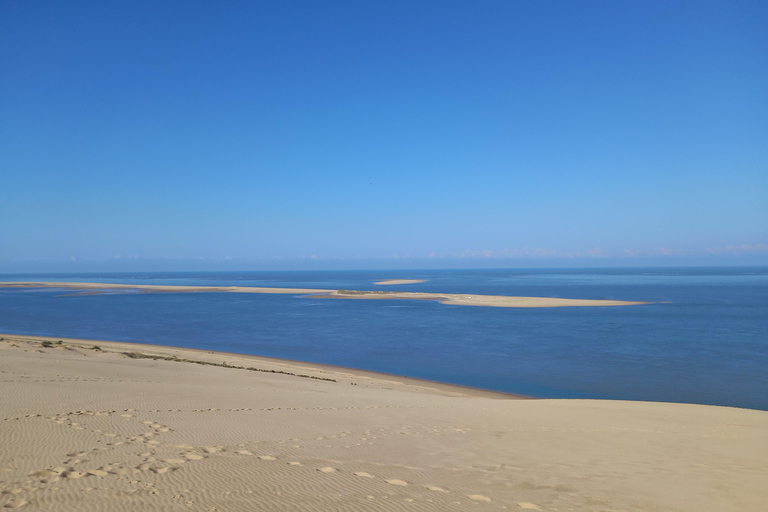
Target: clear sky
(320,134)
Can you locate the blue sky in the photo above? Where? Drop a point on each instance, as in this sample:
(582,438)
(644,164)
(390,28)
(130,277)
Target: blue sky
(246,135)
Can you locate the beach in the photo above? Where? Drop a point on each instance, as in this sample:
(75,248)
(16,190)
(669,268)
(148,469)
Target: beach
(97,425)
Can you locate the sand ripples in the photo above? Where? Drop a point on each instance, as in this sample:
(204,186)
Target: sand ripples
(213,439)
(285,472)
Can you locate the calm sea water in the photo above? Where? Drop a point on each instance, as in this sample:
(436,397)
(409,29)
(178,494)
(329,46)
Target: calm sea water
(704,340)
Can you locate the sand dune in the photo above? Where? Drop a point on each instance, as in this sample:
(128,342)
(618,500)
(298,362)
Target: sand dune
(456,299)
(89,429)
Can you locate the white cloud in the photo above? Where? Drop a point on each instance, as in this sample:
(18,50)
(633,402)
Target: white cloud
(740,249)
(596,252)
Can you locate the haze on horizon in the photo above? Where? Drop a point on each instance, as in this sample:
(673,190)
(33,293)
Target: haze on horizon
(194,135)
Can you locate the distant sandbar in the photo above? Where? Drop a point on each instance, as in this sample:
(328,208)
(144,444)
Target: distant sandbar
(456,299)
(400,281)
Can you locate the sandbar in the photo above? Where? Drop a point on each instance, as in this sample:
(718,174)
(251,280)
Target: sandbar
(125,427)
(454,299)
(400,281)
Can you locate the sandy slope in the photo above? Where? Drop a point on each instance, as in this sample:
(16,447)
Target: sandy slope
(83,429)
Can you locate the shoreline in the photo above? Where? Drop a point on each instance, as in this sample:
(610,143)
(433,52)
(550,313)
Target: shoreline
(234,359)
(86,428)
(454,299)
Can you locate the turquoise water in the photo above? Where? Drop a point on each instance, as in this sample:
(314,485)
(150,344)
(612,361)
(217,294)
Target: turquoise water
(703,340)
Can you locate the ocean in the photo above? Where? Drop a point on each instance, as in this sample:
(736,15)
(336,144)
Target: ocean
(704,338)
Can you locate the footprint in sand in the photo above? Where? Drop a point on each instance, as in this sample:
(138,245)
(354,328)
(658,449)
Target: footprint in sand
(294,463)
(529,506)
(175,461)
(123,471)
(15,503)
(478,497)
(210,449)
(73,474)
(96,472)
(12,491)
(327,470)
(45,472)
(396,482)
(160,470)
(193,456)
(363,474)
(243,452)
(436,488)
(267,457)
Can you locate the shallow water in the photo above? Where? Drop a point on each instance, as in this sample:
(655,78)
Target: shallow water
(704,340)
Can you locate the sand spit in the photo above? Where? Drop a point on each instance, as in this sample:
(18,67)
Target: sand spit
(400,281)
(94,429)
(498,301)
(150,288)
(455,299)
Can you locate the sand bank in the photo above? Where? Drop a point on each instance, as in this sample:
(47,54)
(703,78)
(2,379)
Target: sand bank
(153,288)
(89,429)
(502,301)
(498,301)
(400,281)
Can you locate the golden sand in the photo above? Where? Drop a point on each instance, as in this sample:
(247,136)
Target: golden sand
(86,428)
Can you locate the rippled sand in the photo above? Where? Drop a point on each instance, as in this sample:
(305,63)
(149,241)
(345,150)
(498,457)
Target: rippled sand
(169,429)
